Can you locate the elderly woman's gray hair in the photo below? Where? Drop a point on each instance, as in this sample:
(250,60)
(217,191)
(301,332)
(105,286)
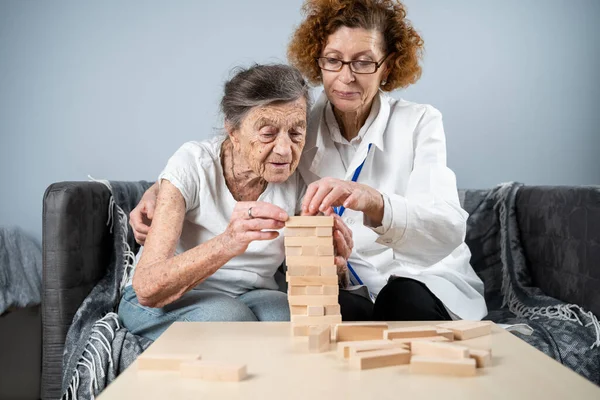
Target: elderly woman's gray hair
(261,85)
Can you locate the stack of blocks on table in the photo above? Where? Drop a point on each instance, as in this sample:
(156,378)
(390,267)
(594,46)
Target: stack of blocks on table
(426,348)
(311,275)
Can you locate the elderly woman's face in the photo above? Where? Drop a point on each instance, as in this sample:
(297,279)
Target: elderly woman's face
(271,139)
(348,91)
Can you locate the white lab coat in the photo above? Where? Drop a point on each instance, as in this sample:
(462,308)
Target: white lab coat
(422,235)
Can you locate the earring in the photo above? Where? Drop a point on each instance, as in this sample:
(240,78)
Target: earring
(383,82)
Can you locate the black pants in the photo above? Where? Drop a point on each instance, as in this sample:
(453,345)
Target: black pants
(402,299)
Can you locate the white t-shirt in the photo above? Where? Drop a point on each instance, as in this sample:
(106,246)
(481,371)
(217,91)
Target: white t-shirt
(196,170)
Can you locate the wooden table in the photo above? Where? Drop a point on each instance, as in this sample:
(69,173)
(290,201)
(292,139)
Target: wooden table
(280,367)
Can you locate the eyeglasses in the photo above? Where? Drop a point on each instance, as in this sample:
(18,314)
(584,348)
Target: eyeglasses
(356,66)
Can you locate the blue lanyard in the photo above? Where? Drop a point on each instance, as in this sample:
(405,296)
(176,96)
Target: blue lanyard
(340,210)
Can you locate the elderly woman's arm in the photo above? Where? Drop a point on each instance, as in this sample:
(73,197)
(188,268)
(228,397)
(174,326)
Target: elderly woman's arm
(161,277)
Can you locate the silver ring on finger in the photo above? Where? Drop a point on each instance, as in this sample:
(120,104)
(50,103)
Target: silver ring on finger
(250,213)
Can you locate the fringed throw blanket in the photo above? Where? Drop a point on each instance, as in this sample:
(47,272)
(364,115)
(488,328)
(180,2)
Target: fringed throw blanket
(97,347)
(563,331)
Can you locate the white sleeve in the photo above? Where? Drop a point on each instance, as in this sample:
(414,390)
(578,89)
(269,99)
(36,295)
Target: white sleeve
(182,172)
(428,220)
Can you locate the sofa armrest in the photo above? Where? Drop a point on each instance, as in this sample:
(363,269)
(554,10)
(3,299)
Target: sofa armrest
(76,247)
(560,233)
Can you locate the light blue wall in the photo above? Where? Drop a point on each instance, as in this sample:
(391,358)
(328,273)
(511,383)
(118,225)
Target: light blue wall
(112,88)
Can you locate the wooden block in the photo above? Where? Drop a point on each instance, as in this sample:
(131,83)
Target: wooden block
(482,358)
(331,289)
(315,311)
(300,330)
(312,300)
(360,331)
(314,290)
(323,232)
(349,349)
(324,251)
(299,310)
(324,320)
(442,366)
(293,251)
(308,251)
(310,261)
(163,362)
(299,232)
(410,332)
(296,271)
(333,309)
(312,280)
(343,348)
(213,371)
(439,350)
(319,338)
(307,241)
(330,270)
(408,341)
(447,333)
(312,271)
(470,331)
(297,290)
(380,359)
(300,221)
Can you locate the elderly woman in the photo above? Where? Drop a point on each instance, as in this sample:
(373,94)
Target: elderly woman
(213,249)
(381,163)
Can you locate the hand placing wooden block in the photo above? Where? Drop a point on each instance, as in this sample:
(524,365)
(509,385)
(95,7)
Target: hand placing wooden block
(410,332)
(163,362)
(482,358)
(380,359)
(303,221)
(442,366)
(360,331)
(319,338)
(213,371)
(438,350)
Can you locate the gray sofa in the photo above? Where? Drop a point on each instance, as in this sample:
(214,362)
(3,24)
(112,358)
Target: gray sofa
(559,230)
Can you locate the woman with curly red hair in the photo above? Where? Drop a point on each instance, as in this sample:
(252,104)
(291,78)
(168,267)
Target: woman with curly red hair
(381,164)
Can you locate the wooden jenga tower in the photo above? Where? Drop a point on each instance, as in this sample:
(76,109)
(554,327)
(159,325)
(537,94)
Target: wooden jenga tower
(311,273)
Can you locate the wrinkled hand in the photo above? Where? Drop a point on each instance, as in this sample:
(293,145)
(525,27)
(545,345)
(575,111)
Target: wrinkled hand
(326,193)
(342,244)
(243,229)
(140,218)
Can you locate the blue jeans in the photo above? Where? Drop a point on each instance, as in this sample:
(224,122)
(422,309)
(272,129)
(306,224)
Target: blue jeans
(255,305)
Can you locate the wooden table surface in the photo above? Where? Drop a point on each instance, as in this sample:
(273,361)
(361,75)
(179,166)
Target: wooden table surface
(280,367)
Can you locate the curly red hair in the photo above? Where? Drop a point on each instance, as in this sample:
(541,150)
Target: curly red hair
(323,17)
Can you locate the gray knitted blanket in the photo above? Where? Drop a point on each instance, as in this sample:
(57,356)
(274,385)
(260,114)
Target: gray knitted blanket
(97,347)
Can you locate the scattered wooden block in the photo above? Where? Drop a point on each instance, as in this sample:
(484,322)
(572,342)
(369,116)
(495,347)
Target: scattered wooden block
(350,349)
(380,359)
(213,371)
(312,271)
(332,309)
(315,311)
(297,290)
(163,362)
(311,280)
(306,221)
(410,332)
(447,333)
(408,341)
(442,366)
(319,338)
(314,290)
(331,289)
(300,330)
(482,358)
(312,300)
(310,261)
(307,241)
(299,310)
(330,270)
(360,331)
(323,320)
(465,331)
(439,350)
